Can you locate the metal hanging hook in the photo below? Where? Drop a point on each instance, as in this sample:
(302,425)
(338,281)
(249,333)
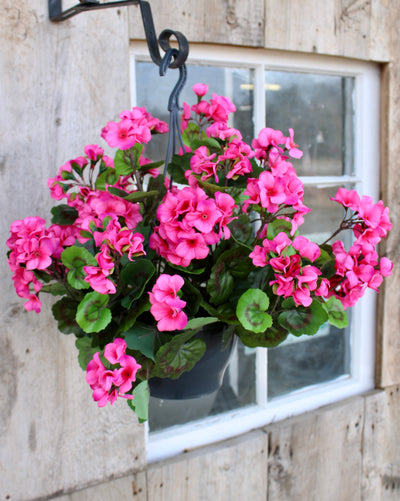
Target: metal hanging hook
(56,14)
(173,58)
(173,106)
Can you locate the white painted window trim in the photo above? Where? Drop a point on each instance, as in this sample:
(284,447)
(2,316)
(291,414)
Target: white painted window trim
(170,442)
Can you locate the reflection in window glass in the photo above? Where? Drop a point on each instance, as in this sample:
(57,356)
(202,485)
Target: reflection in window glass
(320,110)
(325,216)
(237,391)
(238,388)
(304,361)
(153,92)
(301,362)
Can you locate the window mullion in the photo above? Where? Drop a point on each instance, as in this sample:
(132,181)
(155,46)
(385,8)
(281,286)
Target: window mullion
(259,99)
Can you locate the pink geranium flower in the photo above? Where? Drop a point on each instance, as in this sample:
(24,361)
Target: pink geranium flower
(166,305)
(200,89)
(127,373)
(114,351)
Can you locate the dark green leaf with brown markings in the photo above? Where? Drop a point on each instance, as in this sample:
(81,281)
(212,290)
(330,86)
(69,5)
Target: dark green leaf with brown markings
(251,310)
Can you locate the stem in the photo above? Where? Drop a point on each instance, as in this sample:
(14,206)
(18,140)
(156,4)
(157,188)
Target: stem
(346,224)
(275,305)
(134,173)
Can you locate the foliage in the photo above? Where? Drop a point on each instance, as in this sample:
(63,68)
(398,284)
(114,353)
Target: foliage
(143,264)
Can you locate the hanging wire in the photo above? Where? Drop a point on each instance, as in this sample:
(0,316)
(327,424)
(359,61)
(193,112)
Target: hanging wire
(173,107)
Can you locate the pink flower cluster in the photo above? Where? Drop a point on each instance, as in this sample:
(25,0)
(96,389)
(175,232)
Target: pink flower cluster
(277,188)
(190,221)
(135,126)
(33,247)
(61,183)
(293,278)
(217,110)
(113,240)
(360,268)
(235,159)
(273,141)
(95,206)
(166,305)
(109,384)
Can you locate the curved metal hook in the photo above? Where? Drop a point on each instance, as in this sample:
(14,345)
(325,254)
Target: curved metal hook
(164,39)
(173,106)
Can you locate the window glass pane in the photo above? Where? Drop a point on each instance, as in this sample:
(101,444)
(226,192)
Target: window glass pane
(301,362)
(325,216)
(304,361)
(320,110)
(238,388)
(153,92)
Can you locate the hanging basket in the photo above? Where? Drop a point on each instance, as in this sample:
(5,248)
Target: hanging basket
(206,376)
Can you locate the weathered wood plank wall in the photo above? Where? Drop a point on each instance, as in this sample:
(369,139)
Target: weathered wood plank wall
(343,452)
(59,84)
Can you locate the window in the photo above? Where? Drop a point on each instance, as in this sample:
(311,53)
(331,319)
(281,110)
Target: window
(333,106)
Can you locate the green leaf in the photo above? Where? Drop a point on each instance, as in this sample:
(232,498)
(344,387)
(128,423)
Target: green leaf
(188,269)
(242,229)
(177,167)
(209,142)
(323,258)
(122,164)
(211,188)
(64,311)
(67,176)
(197,323)
(220,284)
(130,319)
(56,289)
(152,165)
(140,338)
(75,258)
(76,168)
(231,265)
(135,196)
(86,351)
(92,314)
(277,226)
(329,268)
(191,133)
(140,402)
(251,310)
(268,339)
(179,355)
(108,176)
(193,298)
(301,320)
(136,275)
(63,215)
(336,313)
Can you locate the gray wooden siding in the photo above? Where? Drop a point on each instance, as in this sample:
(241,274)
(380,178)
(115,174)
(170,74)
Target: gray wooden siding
(59,84)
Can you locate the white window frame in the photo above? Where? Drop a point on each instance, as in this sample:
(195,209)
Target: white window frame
(175,440)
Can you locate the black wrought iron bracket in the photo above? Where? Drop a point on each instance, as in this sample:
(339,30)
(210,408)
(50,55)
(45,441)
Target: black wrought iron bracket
(56,14)
(173,57)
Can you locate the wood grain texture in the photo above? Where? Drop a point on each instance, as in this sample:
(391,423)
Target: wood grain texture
(380,453)
(317,456)
(232,470)
(211,21)
(59,86)
(350,28)
(388,352)
(121,489)
(347,451)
